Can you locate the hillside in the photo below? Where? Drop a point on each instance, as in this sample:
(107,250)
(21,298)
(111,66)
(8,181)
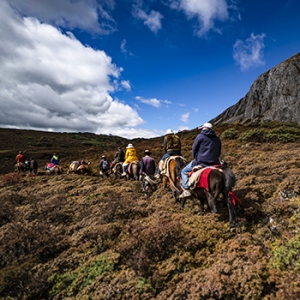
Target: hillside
(84,237)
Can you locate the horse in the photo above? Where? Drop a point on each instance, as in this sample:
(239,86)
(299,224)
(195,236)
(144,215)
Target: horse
(171,173)
(117,169)
(133,171)
(84,169)
(79,167)
(220,181)
(53,169)
(20,167)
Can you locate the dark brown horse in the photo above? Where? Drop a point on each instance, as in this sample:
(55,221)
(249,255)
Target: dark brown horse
(171,172)
(220,182)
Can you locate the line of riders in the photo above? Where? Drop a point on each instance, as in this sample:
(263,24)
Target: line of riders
(206,151)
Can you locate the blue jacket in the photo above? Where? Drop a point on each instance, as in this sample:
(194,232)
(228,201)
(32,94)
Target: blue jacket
(206,148)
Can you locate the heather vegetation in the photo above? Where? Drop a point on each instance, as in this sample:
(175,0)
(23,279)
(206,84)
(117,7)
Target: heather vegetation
(82,237)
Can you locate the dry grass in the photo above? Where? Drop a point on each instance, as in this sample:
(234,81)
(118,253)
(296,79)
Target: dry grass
(84,237)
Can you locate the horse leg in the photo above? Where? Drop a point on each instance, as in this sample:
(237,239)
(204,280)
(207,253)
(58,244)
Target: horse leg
(211,202)
(231,212)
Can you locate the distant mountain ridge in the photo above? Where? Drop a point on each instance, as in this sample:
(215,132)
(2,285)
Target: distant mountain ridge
(274,96)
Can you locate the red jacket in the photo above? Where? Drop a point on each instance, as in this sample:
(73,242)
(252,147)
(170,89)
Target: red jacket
(20,158)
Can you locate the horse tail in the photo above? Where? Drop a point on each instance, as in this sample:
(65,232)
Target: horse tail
(229,178)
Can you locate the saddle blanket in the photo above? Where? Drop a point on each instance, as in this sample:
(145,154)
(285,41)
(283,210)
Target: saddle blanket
(198,178)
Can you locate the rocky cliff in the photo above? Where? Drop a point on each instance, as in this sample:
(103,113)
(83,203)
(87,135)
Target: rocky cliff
(274,96)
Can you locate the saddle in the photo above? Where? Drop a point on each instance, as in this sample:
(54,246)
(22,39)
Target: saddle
(164,165)
(198,178)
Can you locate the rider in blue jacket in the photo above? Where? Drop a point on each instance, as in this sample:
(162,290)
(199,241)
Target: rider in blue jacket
(206,151)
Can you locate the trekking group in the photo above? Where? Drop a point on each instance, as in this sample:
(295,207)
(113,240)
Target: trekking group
(206,151)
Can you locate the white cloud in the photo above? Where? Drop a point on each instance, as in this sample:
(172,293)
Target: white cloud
(207,12)
(185,117)
(88,15)
(152,20)
(124,49)
(250,53)
(153,101)
(126,85)
(51,81)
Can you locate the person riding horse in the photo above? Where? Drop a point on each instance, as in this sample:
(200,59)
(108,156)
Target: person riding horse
(119,156)
(206,151)
(130,156)
(20,162)
(55,159)
(172,146)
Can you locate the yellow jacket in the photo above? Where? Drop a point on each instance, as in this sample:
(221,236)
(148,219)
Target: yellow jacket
(130,155)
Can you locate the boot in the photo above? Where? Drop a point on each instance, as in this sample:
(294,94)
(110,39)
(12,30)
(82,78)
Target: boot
(185,194)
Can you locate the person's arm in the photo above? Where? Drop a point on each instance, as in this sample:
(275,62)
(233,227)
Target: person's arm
(165,144)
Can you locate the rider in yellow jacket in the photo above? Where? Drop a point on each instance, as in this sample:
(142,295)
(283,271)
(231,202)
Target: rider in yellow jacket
(130,156)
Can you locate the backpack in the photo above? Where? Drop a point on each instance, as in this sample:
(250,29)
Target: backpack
(173,142)
(105,165)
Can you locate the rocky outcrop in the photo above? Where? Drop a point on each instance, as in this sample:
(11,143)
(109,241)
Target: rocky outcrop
(274,96)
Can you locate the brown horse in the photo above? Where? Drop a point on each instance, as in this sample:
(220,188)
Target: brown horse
(84,169)
(171,172)
(53,169)
(220,182)
(80,167)
(20,167)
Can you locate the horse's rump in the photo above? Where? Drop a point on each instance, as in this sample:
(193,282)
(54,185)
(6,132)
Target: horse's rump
(172,171)
(132,167)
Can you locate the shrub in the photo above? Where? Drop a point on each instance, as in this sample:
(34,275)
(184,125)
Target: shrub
(230,134)
(254,135)
(10,179)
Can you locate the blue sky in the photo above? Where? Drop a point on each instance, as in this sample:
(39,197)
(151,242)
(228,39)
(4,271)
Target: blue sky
(135,68)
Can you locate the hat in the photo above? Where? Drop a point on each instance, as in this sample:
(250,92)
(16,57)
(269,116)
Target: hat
(147,152)
(20,152)
(103,156)
(169,131)
(208,125)
(129,146)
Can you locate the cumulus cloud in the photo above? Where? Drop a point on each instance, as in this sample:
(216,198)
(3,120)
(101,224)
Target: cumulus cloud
(207,12)
(50,81)
(87,15)
(249,53)
(153,101)
(185,117)
(152,20)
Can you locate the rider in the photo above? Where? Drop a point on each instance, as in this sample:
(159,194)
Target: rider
(147,164)
(172,146)
(119,156)
(130,156)
(206,151)
(20,158)
(55,159)
(104,165)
